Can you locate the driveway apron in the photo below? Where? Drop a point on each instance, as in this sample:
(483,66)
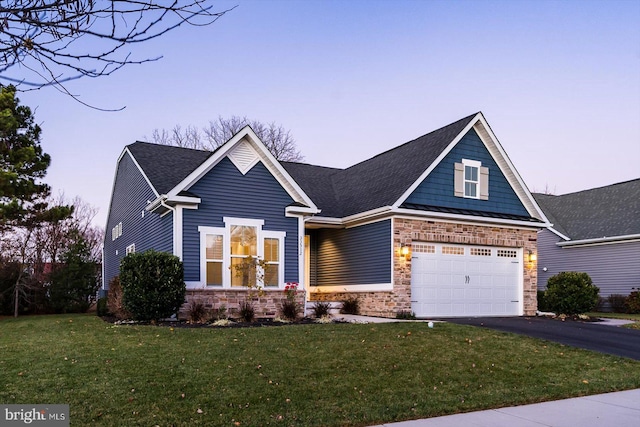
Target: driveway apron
(588,335)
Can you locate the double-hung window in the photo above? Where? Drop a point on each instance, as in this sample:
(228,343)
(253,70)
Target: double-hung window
(471,180)
(241,254)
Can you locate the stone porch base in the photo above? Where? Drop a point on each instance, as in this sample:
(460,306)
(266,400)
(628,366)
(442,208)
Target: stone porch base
(266,303)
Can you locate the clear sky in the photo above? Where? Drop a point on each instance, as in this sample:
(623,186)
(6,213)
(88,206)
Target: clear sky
(558,81)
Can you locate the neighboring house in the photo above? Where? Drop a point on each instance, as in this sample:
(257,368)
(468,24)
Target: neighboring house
(594,231)
(442,225)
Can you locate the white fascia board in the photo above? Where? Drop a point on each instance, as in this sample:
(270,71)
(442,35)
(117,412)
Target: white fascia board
(601,241)
(435,163)
(507,168)
(184,200)
(351,220)
(363,216)
(270,162)
(126,151)
(428,215)
(300,210)
(144,175)
(557,233)
(324,221)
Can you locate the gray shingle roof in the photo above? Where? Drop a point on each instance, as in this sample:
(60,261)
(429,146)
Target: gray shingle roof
(608,211)
(376,182)
(165,165)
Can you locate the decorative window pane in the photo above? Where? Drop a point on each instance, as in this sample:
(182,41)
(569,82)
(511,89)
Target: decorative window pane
(214,246)
(423,248)
(243,271)
(507,253)
(471,173)
(480,251)
(271,250)
(244,240)
(452,250)
(131,249)
(214,273)
(271,275)
(470,189)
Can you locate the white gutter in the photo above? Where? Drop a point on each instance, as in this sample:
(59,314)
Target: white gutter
(469,218)
(601,240)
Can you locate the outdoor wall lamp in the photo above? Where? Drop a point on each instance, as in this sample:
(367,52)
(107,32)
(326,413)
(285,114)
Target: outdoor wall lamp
(532,256)
(404,250)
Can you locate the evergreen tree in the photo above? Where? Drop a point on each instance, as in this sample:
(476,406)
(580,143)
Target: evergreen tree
(22,162)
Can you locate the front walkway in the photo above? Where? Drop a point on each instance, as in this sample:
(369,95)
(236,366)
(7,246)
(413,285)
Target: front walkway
(619,409)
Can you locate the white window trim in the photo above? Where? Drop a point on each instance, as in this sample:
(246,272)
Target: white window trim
(204,231)
(280,235)
(226,260)
(131,249)
(474,164)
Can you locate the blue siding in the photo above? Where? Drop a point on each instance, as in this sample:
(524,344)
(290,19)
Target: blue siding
(437,189)
(224,191)
(353,256)
(129,199)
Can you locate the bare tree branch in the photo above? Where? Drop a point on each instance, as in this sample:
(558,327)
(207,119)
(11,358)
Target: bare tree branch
(62,40)
(276,138)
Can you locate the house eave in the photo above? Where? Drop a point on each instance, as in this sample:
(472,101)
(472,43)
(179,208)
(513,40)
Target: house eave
(320,222)
(470,218)
(301,210)
(161,201)
(601,241)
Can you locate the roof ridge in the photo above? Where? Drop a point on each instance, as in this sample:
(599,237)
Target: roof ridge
(170,146)
(595,188)
(450,125)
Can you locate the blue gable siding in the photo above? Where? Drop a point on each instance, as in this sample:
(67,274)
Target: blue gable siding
(438,188)
(129,199)
(352,256)
(224,191)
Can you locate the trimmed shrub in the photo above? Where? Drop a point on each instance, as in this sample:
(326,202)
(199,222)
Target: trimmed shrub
(617,303)
(632,302)
(542,302)
(114,300)
(101,307)
(152,284)
(570,293)
(321,309)
(350,305)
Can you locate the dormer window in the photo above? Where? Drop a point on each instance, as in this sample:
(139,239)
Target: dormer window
(471,180)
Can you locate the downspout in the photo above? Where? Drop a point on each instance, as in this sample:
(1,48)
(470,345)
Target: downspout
(173,228)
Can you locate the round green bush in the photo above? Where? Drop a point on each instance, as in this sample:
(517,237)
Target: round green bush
(153,285)
(570,293)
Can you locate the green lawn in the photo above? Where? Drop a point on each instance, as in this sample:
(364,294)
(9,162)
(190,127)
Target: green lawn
(306,375)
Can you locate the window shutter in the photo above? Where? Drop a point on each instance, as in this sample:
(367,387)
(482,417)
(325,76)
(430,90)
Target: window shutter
(458,180)
(484,183)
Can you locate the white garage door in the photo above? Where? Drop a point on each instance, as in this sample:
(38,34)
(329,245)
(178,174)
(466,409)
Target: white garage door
(456,280)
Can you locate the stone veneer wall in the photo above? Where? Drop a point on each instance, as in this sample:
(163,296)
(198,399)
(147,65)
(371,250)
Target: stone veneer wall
(267,305)
(405,231)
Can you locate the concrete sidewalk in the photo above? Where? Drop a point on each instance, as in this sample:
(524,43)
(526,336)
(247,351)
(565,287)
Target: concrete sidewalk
(619,409)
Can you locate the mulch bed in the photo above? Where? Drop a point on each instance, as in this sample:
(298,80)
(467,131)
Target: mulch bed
(262,322)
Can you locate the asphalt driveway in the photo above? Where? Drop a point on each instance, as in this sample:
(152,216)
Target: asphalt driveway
(588,335)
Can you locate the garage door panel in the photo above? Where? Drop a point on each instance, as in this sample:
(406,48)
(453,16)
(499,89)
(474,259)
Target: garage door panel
(466,280)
